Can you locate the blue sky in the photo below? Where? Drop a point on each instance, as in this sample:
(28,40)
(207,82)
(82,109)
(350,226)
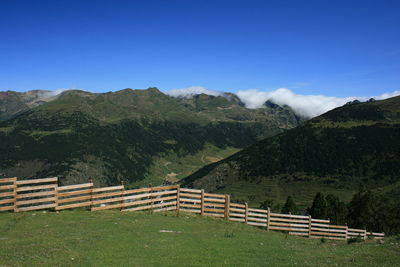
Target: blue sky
(336,48)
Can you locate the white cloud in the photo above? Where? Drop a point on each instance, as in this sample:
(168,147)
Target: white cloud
(304,105)
(191,91)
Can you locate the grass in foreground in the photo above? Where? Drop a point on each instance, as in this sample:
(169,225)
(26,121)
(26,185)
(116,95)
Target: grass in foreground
(113,238)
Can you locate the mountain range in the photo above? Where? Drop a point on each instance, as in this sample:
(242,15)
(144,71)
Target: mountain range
(131,136)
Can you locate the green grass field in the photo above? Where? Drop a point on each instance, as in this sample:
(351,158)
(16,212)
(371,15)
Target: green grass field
(113,238)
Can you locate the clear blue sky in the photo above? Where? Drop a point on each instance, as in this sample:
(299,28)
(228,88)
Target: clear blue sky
(312,47)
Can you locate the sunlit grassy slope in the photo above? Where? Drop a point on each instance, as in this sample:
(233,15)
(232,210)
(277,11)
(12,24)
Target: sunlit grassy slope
(114,238)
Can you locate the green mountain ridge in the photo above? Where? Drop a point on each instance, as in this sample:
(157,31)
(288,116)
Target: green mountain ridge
(134,136)
(333,153)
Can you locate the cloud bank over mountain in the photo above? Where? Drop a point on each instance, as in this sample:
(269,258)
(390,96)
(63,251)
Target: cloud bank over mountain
(191,91)
(303,105)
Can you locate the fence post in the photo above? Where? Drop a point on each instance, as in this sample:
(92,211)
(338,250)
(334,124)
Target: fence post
(178,199)
(309,226)
(246,212)
(227,201)
(56,197)
(268,217)
(202,202)
(91,195)
(122,195)
(15,194)
(347,232)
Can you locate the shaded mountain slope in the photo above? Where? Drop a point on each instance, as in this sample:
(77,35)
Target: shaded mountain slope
(334,153)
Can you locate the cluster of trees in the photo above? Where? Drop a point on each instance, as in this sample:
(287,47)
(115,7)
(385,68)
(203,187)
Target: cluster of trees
(366,210)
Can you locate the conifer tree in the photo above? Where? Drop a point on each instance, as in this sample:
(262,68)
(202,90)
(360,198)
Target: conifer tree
(318,209)
(290,206)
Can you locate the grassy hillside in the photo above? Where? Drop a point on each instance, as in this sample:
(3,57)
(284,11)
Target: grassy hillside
(334,153)
(135,136)
(113,238)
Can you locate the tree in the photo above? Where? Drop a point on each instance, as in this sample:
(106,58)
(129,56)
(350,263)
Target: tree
(290,206)
(336,210)
(319,208)
(362,211)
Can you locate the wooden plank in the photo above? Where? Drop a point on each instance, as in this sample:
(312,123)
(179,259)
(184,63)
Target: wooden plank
(237,205)
(214,200)
(337,226)
(162,188)
(190,205)
(289,225)
(327,234)
(7,187)
(107,207)
(236,210)
(329,230)
(319,225)
(111,188)
(74,193)
(190,200)
(190,195)
(7,194)
(258,215)
(288,216)
(34,201)
(103,195)
(37,181)
(152,206)
(214,210)
(47,206)
(237,215)
(288,220)
(8,180)
(191,190)
(256,219)
(76,186)
(146,195)
(37,187)
(259,211)
(7,201)
(36,194)
(236,220)
(356,230)
(162,193)
(108,200)
(190,210)
(5,208)
(214,205)
(214,195)
(165,209)
(146,201)
(287,229)
(257,224)
(320,221)
(139,190)
(74,199)
(76,205)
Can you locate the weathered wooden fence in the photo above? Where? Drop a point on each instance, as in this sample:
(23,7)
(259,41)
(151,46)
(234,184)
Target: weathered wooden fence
(41,194)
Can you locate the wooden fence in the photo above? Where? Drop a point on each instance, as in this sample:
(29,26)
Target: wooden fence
(43,194)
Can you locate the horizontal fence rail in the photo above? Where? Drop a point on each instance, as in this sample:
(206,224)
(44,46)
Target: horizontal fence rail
(42,194)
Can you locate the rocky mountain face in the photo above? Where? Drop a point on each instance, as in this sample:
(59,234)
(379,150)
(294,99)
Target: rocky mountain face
(357,144)
(135,136)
